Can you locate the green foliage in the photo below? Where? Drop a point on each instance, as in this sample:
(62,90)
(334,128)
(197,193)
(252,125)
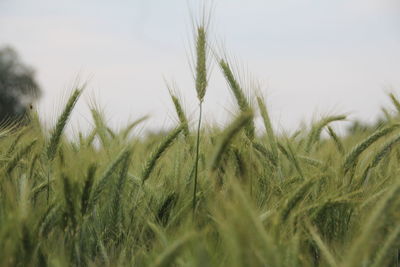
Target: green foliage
(127,200)
(276,203)
(103,214)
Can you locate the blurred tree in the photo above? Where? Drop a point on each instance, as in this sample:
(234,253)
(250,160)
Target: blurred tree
(18,88)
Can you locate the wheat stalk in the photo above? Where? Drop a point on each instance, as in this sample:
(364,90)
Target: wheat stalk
(55,137)
(158,152)
(239,95)
(201,82)
(231,131)
(351,159)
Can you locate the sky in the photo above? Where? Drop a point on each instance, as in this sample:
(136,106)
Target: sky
(309,58)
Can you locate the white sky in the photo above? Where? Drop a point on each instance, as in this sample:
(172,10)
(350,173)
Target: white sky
(311,57)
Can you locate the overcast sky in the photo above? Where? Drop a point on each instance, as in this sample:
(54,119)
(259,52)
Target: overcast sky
(311,57)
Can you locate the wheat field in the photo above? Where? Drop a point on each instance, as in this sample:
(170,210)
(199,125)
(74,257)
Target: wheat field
(201,195)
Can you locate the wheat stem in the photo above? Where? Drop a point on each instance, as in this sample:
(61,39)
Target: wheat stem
(196,162)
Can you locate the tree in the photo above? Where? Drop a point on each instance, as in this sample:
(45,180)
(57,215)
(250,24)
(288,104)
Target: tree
(18,87)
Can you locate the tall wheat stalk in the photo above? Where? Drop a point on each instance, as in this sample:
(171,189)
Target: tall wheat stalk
(201,87)
(56,133)
(237,91)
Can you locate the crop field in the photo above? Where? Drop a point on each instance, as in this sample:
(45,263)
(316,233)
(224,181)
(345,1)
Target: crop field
(200,195)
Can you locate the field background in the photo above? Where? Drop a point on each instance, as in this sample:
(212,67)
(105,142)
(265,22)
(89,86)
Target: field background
(200,194)
(115,199)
